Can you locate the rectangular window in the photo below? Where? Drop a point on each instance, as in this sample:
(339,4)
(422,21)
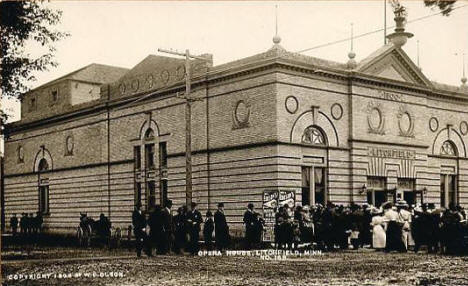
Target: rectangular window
(151,193)
(137,199)
(32,104)
(313,185)
(163,154)
(137,157)
(376,188)
(306,186)
(442,190)
(44,199)
(53,96)
(452,189)
(149,151)
(163,191)
(407,187)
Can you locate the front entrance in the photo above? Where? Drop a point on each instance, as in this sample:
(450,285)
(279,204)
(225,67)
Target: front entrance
(314,186)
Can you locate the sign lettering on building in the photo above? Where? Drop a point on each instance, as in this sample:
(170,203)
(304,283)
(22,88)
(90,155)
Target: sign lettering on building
(390,96)
(391,153)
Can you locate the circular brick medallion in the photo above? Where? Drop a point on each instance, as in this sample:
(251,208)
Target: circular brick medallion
(242,112)
(20,154)
(165,76)
(337,111)
(150,81)
(433,124)
(122,88)
(464,128)
(135,85)
(291,104)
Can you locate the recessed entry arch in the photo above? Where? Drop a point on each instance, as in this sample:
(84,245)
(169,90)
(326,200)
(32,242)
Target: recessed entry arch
(322,121)
(451,135)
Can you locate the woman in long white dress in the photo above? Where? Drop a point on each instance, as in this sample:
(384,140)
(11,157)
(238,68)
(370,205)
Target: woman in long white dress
(378,232)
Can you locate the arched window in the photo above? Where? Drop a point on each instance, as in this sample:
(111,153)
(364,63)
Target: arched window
(313,135)
(448,149)
(149,134)
(43,165)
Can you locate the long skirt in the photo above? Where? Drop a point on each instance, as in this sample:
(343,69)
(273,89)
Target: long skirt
(378,237)
(394,239)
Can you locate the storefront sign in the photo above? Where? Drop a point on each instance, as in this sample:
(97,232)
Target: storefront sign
(392,153)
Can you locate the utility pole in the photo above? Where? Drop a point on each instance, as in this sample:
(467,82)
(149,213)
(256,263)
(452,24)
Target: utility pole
(188,120)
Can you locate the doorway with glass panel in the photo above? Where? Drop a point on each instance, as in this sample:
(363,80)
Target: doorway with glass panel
(314,185)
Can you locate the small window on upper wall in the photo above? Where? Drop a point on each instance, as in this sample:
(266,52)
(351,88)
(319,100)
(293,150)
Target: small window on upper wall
(53,96)
(32,103)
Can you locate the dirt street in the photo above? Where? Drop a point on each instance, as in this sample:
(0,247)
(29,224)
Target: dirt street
(364,267)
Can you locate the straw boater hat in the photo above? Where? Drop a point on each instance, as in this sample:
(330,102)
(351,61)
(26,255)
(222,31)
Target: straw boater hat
(401,204)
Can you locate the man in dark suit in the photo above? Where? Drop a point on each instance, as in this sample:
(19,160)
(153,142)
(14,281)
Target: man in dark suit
(180,230)
(250,223)
(194,219)
(139,227)
(14,224)
(156,229)
(222,237)
(166,239)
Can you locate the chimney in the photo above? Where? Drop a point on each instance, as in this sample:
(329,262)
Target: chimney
(399,37)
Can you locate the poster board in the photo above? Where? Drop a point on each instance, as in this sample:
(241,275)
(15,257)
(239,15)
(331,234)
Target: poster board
(271,201)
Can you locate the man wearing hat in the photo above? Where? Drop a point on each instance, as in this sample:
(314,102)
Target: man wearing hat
(250,223)
(222,237)
(139,226)
(166,217)
(194,219)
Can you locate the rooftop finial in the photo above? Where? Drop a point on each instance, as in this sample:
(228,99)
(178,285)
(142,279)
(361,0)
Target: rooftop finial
(463,79)
(276,38)
(351,55)
(417,43)
(399,37)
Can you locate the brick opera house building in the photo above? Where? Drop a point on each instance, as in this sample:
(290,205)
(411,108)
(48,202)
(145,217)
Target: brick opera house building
(103,138)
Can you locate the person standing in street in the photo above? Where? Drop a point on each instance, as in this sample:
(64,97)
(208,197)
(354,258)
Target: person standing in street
(167,231)
(250,223)
(139,227)
(208,229)
(180,230)
(222,236)
(14,224)
(194,220)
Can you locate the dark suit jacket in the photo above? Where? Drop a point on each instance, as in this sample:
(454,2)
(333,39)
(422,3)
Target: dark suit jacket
(221,226)
(138,220)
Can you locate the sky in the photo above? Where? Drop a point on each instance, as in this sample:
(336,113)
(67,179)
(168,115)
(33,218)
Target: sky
(122,33)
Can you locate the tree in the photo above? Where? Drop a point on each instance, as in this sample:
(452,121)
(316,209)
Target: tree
(21,23)
(445,6)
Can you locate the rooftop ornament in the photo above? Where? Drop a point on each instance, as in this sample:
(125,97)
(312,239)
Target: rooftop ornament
(399,37)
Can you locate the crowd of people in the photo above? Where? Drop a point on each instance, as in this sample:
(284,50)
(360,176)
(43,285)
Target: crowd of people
(391,227)
(28,224)
(181,232)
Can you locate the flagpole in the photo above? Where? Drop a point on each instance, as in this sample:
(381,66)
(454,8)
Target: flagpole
(385,22)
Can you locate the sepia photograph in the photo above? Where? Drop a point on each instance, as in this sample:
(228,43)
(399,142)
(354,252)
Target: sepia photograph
(234,143)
